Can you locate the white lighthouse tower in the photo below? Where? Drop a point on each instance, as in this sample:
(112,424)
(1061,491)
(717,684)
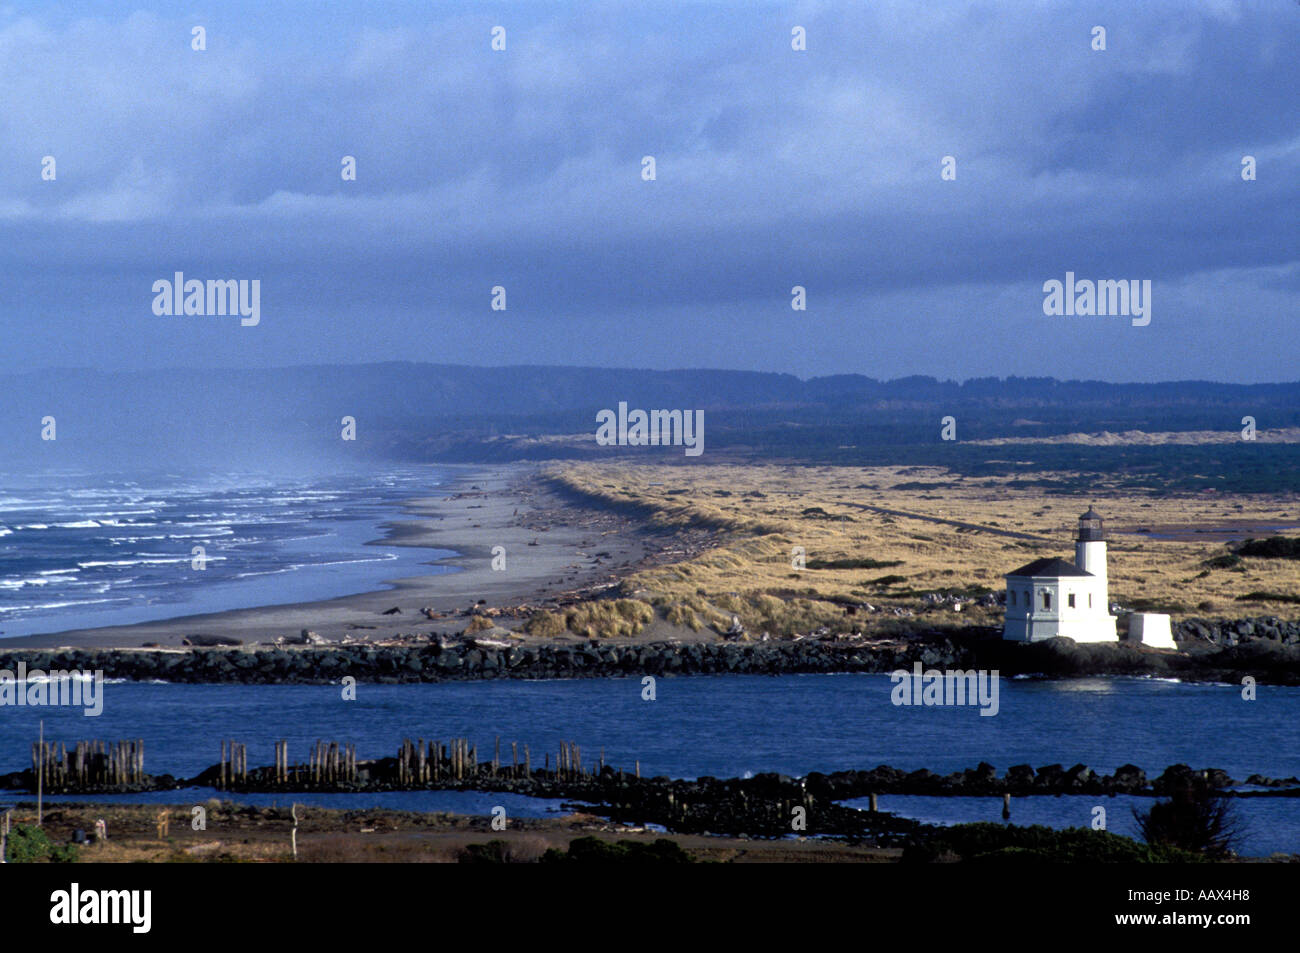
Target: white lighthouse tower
(1090,547)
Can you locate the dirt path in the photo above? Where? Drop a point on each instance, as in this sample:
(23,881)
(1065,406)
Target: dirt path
(971,527)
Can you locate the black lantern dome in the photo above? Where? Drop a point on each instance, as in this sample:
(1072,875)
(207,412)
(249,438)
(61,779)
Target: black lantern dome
(1090,527)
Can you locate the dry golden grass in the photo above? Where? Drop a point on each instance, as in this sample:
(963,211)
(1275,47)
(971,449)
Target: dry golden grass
(766,511)
(479,623)
(606,618)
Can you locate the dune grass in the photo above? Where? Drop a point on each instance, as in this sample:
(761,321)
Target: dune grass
(793,546)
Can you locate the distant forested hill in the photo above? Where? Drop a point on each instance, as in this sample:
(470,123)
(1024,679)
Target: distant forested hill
(416,411)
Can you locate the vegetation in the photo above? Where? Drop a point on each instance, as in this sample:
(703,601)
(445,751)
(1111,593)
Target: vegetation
(545,624)
(1226,561)
(859,563)
(608,618)
(1270,597)
(1193,820)
(29,844)
(589,850)
(478,623)
(604,618)
(1275,547)
(997,843)
(783,563)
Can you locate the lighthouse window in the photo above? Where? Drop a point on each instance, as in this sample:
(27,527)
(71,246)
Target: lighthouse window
(1071,599)
(1090,600)
(1047,599)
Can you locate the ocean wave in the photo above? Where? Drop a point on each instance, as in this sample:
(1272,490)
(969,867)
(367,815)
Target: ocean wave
(39,606)
(136,681)
(76,675)
(22,583)
(144,562)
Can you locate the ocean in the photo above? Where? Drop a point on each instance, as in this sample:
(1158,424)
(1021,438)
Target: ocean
(80,550)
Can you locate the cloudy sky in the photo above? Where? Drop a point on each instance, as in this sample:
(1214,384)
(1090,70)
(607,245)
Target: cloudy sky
(774,168)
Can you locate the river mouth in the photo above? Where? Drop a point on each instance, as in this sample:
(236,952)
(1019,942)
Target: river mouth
(734,726)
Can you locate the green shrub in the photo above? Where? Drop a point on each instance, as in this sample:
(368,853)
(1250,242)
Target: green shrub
(996,843)
(493,852)
(1275,547)
(29,844)
(1193,820)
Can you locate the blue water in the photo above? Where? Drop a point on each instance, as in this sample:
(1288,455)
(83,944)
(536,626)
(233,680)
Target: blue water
(727,726)
(122,553)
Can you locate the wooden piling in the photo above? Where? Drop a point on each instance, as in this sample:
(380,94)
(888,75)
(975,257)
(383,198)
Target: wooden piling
(40,777)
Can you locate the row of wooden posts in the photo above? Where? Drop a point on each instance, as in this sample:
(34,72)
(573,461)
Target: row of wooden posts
(234,763)
(419,762)
(88,762)
(328,762)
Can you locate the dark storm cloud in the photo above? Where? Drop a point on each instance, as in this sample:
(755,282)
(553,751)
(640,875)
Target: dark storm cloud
(775,168)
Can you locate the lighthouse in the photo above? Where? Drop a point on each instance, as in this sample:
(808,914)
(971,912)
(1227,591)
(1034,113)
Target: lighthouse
(1090,546)
(1050,597)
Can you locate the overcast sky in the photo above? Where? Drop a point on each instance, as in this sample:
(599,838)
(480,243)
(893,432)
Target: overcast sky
(775,168)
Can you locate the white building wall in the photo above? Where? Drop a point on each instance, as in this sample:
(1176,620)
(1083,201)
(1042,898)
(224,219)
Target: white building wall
(1029,618)
(1151,628)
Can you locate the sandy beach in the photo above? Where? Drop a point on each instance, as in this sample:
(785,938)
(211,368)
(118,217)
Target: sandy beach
(553,549)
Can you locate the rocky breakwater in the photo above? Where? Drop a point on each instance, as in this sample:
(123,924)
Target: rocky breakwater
(1268,661)
(1025,781)
(470,660)
(1265,649)
(1231,632)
